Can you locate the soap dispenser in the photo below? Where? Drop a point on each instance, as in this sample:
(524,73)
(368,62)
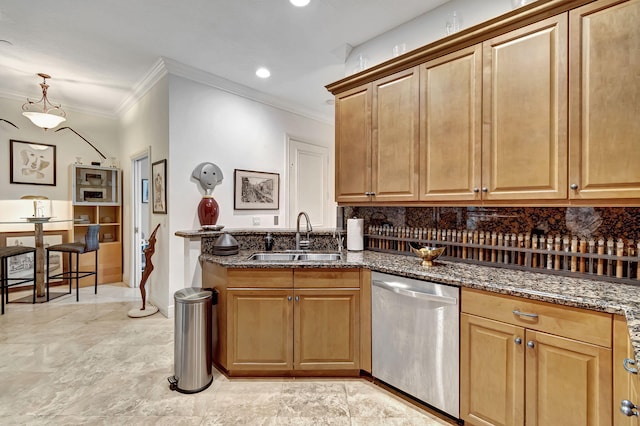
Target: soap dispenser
(268,242)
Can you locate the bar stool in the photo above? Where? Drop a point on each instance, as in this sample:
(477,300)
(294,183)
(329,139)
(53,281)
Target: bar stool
(91,244)
(5,254)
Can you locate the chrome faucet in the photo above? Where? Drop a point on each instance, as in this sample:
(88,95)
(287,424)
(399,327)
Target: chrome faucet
(303,244)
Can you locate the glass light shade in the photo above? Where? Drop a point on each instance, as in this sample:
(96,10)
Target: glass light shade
(43,119)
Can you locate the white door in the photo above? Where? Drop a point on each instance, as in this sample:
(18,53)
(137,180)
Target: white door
(309,189)
(140,210)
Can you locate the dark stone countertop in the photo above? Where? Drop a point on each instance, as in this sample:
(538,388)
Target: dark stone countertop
(614,298)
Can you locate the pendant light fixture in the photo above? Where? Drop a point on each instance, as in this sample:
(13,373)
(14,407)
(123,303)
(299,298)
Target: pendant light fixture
(43,113)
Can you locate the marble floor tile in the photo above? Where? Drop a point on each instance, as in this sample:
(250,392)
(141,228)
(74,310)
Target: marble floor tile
(78,363)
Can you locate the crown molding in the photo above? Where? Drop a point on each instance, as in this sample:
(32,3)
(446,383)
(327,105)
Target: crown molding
(169,66)
(155,73)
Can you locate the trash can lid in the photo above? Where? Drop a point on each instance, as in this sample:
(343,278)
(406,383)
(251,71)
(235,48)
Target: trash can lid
(192,295)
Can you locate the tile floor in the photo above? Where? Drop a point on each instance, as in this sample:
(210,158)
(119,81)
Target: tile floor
(68,363)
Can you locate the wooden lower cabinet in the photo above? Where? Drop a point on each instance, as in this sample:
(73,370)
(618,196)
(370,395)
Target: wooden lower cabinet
(516,373)
(259,329)
(626,384)
(306,320)
(326,329)
(491,372)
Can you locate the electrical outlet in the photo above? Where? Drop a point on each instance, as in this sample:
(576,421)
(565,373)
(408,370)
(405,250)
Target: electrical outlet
(256,221)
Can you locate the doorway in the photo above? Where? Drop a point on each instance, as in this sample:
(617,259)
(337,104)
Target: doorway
(140,211)
(309,184)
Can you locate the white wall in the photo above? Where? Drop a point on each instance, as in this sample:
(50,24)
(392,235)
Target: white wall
(425,29)
(145,126)
(209,124)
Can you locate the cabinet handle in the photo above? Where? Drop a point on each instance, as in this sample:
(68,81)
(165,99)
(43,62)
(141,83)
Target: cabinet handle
(628,363)
(289,298)
(485,189)
(574,186)
(297,298)
(518,341)
(367,193)
(628,408)
(531,344)
(524,314)
(373,194)
(476,190)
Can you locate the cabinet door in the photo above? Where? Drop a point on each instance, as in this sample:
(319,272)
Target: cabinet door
(525,113)
(396,141)
(450,124)
(353,145)
(327,330)
(491,372)
(567,382)
(259,330)
(625,383)
(605,100)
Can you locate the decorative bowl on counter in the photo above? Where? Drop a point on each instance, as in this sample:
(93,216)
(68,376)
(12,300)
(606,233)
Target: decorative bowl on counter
(428,254)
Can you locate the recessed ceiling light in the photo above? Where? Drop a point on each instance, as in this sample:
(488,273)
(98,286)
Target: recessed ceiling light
(299,3)
(262,72)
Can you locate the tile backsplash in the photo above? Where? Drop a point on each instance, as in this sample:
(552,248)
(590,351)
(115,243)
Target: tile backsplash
(583,222)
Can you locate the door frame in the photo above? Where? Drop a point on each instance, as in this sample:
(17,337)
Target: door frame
(135,260)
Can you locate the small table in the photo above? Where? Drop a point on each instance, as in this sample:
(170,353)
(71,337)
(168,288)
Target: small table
(40,252)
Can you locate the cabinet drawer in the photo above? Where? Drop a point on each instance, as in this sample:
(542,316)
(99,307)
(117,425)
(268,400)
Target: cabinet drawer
(327,278)
(574,323)
(263,278)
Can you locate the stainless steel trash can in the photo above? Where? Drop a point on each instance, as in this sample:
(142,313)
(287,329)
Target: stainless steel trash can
(192,340)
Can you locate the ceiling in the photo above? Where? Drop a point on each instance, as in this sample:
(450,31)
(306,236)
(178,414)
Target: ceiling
(98,52)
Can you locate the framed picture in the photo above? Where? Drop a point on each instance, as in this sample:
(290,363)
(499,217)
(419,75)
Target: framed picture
(159,176)
(145,190)
(32,163)
(256,190)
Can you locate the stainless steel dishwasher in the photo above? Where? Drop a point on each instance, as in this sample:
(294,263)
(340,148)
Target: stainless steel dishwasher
(416,339)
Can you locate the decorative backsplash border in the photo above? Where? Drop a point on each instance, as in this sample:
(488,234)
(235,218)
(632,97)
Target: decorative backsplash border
(597,243)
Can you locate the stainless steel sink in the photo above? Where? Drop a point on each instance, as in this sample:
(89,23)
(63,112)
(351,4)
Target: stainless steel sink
(291,257)
(320,256)
(274,256)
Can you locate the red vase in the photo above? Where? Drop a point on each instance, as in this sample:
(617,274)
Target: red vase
(208,210)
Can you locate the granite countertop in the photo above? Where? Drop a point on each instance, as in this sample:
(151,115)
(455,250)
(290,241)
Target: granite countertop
(614,298)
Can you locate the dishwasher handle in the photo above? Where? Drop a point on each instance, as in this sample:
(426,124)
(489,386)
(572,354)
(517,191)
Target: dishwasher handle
(416,294)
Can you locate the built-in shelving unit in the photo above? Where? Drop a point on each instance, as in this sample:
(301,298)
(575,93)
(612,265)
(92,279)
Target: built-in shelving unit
(96,194)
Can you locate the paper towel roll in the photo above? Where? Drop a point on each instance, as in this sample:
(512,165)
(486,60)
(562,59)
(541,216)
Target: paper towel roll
(355,234)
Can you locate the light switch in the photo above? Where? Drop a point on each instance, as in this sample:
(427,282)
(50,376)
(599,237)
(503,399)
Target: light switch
(256,221)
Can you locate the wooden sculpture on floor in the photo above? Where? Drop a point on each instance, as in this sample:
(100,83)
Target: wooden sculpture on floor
(148,268)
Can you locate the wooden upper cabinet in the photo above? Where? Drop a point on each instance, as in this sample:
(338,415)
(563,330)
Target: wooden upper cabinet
(605,100)
(395,139)
(525,113)
(353,144)
(450,126)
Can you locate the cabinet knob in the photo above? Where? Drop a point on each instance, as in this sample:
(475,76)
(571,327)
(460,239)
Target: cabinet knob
(476,190)
(531,344)
(628,364)
(289,298)
(485,189)
(574,186)
(297,298)
(518,341)
(628,408)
